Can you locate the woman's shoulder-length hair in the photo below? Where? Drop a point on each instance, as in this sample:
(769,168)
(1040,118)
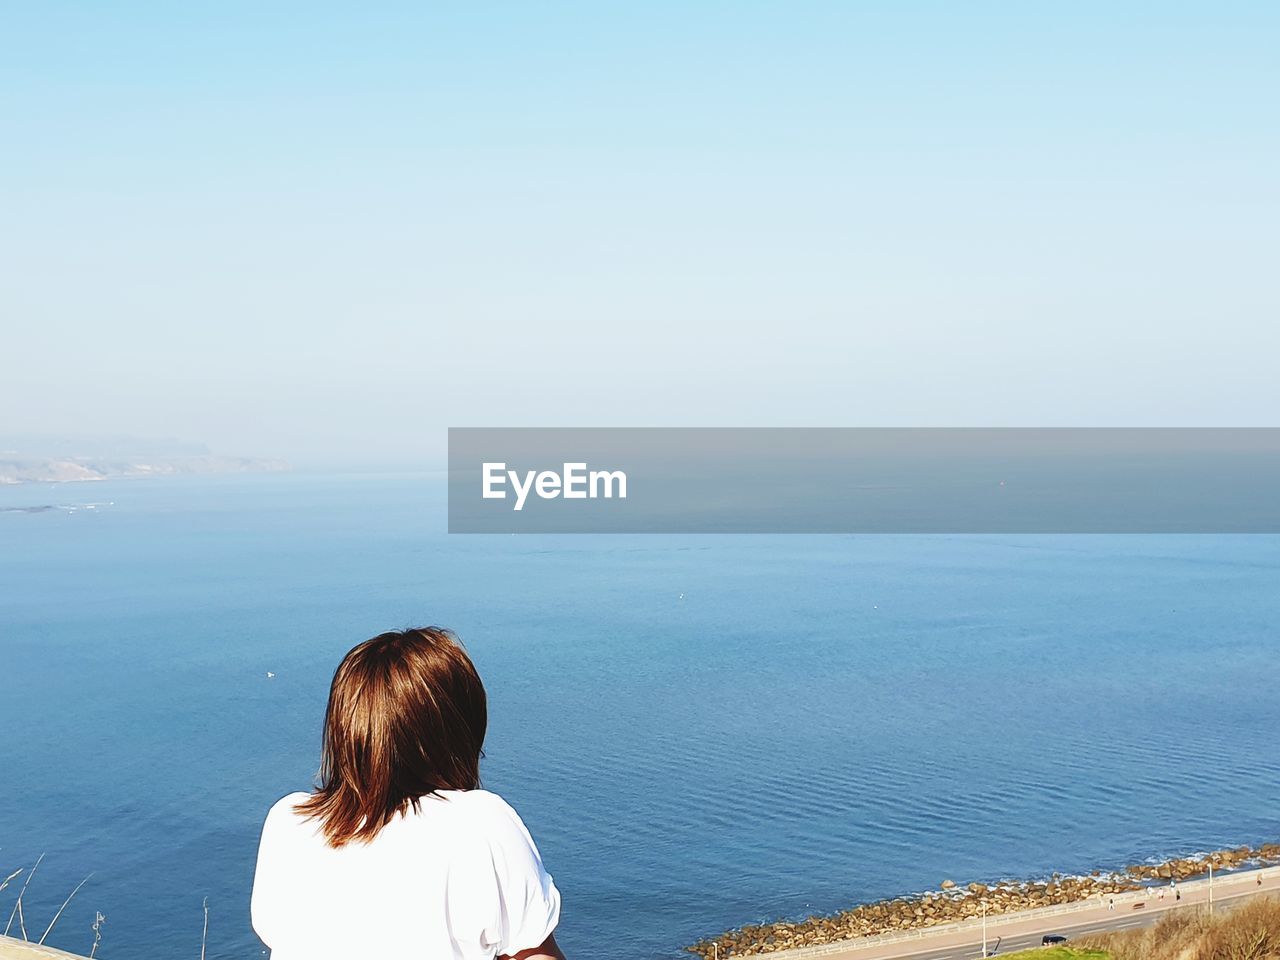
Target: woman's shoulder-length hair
(406,717)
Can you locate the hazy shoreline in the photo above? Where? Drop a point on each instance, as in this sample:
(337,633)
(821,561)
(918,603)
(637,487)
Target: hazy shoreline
(17,471)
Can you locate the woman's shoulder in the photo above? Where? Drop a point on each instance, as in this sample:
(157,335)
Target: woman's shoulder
(481,803)
(481,820)
(482,809)
(289,801)
(285,808)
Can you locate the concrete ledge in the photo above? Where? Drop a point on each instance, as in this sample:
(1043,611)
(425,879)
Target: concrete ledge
(11,949)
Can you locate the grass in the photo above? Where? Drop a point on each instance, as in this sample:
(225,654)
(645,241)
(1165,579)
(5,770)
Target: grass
(19,913)
(17,922)
(1058,953)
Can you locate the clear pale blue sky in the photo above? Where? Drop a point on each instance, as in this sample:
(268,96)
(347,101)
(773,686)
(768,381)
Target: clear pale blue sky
(327,231)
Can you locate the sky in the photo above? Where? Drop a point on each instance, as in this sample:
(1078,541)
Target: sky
(329,231)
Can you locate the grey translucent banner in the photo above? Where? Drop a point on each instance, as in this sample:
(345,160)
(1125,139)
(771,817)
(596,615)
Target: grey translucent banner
(858,480)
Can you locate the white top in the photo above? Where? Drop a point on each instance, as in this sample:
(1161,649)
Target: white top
(459,879)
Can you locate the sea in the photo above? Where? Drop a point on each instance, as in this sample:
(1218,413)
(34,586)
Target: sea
(699,731)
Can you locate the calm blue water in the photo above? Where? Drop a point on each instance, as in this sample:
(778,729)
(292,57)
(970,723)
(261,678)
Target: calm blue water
(818,721)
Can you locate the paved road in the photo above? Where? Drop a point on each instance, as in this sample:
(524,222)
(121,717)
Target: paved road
(1011,944)
(1018,932)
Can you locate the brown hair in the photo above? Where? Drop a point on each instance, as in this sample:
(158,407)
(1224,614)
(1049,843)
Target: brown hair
(406,717)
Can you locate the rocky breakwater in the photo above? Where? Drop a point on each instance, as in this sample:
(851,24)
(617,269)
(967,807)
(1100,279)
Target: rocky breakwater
(1184,868)
(953,902)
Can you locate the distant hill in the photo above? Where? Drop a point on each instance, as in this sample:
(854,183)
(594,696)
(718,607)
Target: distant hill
(67,460)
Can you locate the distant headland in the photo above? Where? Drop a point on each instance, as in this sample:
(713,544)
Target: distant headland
(71,460)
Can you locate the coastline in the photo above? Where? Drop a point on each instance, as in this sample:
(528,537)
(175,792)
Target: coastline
(953,904)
